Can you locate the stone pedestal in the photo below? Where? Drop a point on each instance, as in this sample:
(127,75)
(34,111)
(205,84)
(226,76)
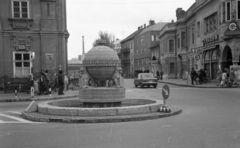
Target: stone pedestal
(102,96)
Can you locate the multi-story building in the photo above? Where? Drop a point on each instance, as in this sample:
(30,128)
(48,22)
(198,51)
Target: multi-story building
(33,37)
(143,42)
(127,54)
(168,53)
(206,37)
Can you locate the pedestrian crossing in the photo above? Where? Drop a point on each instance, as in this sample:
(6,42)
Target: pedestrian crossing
(9,117)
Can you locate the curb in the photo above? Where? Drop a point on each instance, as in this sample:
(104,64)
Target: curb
(129,118)
(195,86)
(37,99)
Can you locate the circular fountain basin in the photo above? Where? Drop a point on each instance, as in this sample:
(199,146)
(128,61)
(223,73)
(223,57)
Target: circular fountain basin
(74,107)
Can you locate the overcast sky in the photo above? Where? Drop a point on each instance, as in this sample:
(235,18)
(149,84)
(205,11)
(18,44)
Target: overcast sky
(119,17)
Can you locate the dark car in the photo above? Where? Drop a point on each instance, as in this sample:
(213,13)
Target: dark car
(145,79)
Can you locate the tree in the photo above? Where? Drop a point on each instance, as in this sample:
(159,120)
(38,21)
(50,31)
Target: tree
(107,37)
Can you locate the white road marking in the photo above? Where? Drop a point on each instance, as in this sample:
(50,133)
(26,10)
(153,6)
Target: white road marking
(16,118)
(1,121)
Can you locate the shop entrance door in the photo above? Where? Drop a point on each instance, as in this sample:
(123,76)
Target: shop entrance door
(214,70)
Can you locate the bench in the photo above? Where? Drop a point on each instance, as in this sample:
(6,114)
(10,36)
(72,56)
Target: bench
(21,84)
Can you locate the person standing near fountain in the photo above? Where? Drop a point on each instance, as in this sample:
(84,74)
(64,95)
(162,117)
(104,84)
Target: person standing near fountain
(60,83)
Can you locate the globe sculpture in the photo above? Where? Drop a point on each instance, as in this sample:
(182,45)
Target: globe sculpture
(101,83)
(101,96)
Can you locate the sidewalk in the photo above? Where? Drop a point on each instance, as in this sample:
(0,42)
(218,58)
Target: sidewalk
(185,83)
(10,97)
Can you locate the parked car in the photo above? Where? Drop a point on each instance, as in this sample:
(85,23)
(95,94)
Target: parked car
(145,79)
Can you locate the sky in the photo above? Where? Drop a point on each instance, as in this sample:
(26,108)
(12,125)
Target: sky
(118,17)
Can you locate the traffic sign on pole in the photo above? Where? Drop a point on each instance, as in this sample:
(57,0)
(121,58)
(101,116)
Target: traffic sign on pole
(165,92)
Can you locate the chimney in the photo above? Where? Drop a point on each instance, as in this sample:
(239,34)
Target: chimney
(138,28)
(83,45)
(144,25)
(151,22)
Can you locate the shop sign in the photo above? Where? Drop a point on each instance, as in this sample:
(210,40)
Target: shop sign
(236,69)
(199,51)
(197,57)
(232,29)
(210,39)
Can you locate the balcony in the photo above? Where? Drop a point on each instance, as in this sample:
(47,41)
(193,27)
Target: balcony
(125,50)
(125,61)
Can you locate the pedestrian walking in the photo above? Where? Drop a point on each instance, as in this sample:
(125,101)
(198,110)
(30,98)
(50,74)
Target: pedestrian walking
(46,81)
(193,74)
(158,74)
(60,83)
(219,76)
(161,75)
(224,77)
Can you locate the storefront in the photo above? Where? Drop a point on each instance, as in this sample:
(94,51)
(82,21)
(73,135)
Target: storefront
(211,62)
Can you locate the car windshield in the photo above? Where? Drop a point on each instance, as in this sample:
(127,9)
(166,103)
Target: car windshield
(146,75)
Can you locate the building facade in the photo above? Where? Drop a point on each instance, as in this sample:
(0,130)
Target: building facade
(206,37)
(168,54)
(127,54)
(143,42)
(33,37)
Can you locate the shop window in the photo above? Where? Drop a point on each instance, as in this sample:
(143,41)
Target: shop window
(215,55)
(22,62)
(207,57)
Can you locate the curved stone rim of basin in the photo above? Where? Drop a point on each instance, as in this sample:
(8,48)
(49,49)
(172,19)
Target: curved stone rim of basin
(48,108)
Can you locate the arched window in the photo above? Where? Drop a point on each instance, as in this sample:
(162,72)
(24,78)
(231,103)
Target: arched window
(215,55)
(207,57)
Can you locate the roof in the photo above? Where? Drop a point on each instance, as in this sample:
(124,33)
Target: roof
(131,35)
(74,61)
(155,27)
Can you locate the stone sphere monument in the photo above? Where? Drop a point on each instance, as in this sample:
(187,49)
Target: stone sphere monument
(101,83)
(101,96)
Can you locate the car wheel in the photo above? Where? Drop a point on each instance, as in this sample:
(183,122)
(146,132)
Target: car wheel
(148,86)
(136,85)
(154,86)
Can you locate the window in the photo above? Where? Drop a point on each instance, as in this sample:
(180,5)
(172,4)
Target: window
(183,39)
(178,41)
(20,9)
(165,47)
(22,62)
(188,41)
(228,11)
(198,28)
(171,47)
(238,9)
(193,35)
(172,68)
(210,23)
